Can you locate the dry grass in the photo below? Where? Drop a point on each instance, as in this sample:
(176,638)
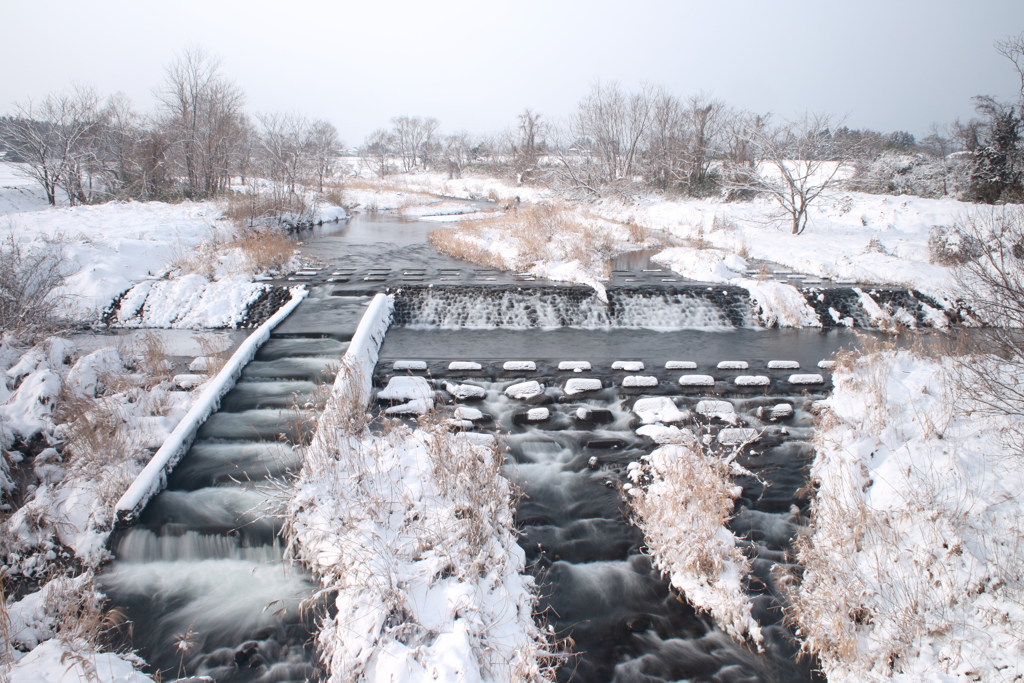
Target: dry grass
(256,250)
(531,234)
(270,208)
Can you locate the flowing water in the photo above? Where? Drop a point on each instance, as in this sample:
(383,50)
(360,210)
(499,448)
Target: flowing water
(599,588)
(201,577)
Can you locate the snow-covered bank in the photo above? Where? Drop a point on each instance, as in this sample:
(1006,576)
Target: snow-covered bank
(915,570)
(683,499)
(414,530)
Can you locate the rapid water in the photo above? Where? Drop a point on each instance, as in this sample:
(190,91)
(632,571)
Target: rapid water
(619,615)
(200,579)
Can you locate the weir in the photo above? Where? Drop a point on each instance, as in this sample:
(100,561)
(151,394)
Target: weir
(200,577)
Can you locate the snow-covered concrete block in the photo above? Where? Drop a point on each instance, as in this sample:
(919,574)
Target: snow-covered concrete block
(733,436)
(806,379)
(409,365)
(680,365)
(537,414)
(579,385)
(639,381)
(467,413)
(663,434)
(783,365)
(203,364)
(416,406)
(697,381)
(526,365)
(733,365)
(628,365)
(406,389)
(658,409)
(574,365)
(723,410)
(464,391)
(600,415)
(464,365)
(525,390)
(189,381)
(781,411)
(752,381)
(826,364)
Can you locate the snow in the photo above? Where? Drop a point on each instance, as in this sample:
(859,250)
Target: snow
(658,409)
(680,365)
(153,477)
(467,413)
(574,365)
(752,381)
(666,434)
(783,365)
(723,410)
(578,385)
(464,365)
(639,381)
(406,389)
(697,381)
(188,302)
(464,391)
(733,365)
(806,379)
(537,414)
(628,365)
(524,390)
(702,265)
(913,569)
(734,436)
(55,662)
(522,365)
(409,365)
(781,411)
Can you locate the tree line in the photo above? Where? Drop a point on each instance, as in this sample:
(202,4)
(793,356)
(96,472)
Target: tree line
(82,147)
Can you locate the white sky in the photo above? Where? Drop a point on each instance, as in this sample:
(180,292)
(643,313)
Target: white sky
(887,65)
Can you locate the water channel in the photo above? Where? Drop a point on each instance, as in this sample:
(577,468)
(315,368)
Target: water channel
(201,578)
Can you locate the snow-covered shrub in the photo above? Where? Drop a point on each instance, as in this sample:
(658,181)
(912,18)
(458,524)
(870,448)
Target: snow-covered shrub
(896,173)
(31,277)
(915,567)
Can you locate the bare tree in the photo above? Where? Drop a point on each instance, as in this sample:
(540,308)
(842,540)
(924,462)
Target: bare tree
(31,276)
(379,146)
(526,145)
(413,138)
(1013,49)
(794,163)
(203,111)
(324,148)
(613,124)
(55,138)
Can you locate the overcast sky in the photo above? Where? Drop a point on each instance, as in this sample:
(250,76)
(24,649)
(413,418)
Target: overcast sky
(887,65)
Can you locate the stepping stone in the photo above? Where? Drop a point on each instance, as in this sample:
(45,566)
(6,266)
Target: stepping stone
(464,391)
(415,407)
(662,434)
(752,381)
(531,415)
(574,365)
(467,413)
(781,412)
(659,409)
(631,381)
(735,436)
(804,380)
(680,365)
(597,415)
(628,365)
(405,389)
(723,410)
(733,365)
(697,381)
(579,385)
(783,365)
(524,390)
(409,365)
(527,365)
(464,365)
(826,364)
(188,381)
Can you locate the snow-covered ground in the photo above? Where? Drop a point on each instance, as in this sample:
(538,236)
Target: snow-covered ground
(915,570)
